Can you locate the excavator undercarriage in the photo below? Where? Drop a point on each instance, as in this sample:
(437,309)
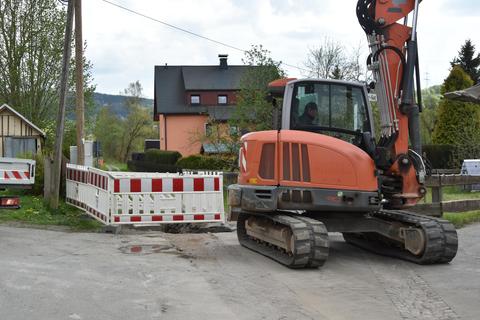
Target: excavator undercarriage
(301,240)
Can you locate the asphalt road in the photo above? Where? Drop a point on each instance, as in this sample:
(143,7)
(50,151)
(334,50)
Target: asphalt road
(151,275)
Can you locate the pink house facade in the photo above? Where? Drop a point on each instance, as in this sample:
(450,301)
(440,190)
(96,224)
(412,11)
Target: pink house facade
(186,97)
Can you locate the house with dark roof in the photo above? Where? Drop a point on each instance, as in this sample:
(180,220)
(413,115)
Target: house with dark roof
(187,96)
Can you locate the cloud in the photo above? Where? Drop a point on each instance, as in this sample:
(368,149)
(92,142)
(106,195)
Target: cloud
(124,47)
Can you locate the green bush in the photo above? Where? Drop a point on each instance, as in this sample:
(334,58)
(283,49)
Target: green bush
(445,156)
(198,162)
(162,156)
(440,156)
(149,166)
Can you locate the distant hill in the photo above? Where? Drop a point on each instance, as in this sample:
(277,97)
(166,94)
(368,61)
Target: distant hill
(117,103)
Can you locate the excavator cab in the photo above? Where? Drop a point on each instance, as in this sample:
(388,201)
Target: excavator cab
(339,109)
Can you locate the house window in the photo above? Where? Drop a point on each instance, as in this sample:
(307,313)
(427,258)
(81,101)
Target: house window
(195,99)
(233,130)
(20,147)
(208,129)
(222,99)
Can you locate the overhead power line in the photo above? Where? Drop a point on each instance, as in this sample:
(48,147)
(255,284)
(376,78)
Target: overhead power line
(188,31)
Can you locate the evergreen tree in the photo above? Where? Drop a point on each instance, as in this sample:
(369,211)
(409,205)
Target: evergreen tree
(468,61)
(458,123)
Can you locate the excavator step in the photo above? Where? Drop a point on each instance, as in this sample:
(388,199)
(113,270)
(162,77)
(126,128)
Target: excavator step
(309,237)
(441,241)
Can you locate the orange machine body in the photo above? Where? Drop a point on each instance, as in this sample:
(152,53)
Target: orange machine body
(290,158)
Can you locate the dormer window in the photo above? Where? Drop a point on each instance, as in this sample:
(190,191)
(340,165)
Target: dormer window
(195,99)
(222,99)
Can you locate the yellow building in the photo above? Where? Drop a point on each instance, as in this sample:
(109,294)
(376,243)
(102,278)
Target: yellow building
(18,136)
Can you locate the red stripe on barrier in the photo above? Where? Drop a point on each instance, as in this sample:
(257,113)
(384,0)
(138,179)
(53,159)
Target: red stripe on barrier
(157,185)
(199,217)
(216,182)
(178,217)
(5,175)
(27,174)
(135,185)
(217,216)
(177,185)
(136,219)
(116,185)
(157,218)
(198,184)
(17,175)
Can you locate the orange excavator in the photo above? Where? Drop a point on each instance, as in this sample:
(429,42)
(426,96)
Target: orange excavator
(324,170)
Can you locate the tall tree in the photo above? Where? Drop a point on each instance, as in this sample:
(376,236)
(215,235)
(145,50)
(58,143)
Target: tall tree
(431,98)
(331,60)
(31,47)
(253,111)
(468,60)
(458,123)
(138,124)
(31,43)
(120,136)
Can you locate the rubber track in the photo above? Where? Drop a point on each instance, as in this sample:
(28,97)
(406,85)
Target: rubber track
(310,241)
(441,238)
(318,241)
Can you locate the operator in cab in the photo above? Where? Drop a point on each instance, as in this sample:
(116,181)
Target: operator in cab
(309,114)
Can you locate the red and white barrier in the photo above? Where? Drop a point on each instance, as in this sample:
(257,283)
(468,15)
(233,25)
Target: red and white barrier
(17,172)
(145,198)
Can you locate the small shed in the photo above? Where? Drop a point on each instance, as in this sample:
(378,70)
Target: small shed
(18,135)
(471,167)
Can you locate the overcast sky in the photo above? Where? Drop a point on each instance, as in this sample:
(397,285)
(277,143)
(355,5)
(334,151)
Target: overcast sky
(124,47)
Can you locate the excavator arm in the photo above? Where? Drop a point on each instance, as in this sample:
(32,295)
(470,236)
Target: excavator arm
(394,63)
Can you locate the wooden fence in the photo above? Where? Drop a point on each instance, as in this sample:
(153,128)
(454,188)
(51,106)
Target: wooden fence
(438,206)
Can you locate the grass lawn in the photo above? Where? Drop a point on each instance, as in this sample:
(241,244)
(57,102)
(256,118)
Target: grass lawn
(34,211)
(460,219)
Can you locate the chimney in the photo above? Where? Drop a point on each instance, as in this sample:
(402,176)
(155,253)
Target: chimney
(223,61)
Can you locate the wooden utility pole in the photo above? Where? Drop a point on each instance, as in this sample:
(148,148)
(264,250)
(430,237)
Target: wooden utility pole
(79,98)
(57,161)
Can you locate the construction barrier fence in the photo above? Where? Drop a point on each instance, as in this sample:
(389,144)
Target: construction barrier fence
(116,198)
